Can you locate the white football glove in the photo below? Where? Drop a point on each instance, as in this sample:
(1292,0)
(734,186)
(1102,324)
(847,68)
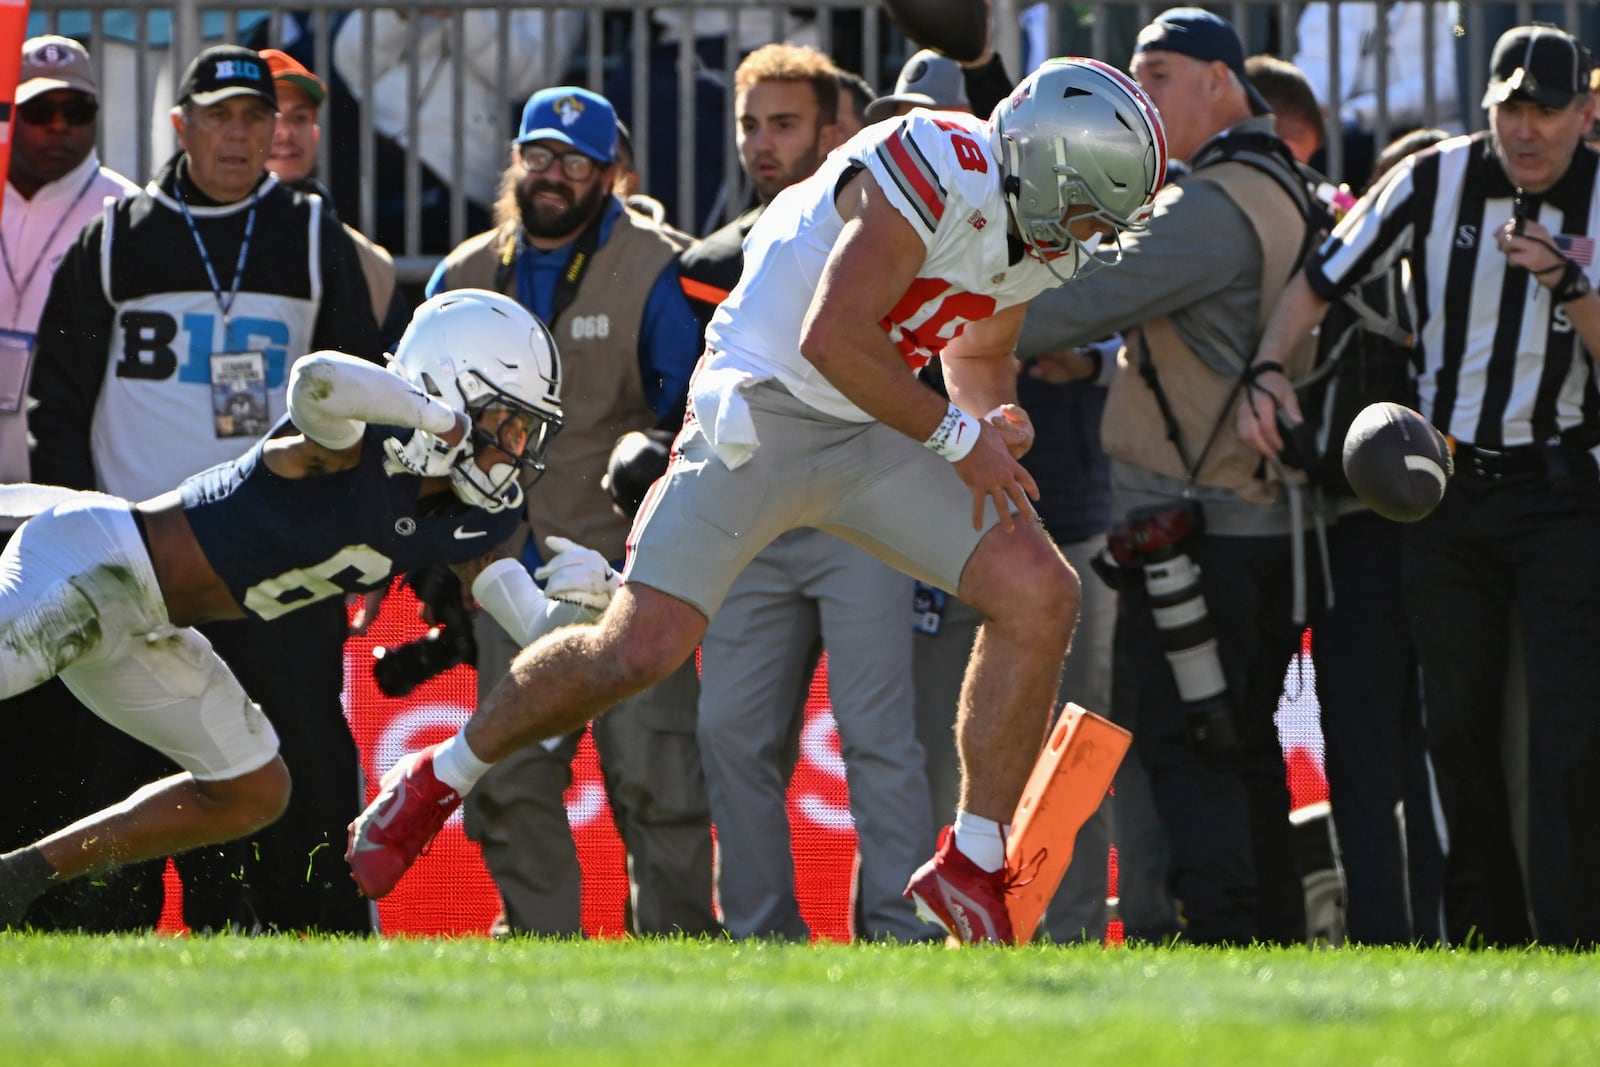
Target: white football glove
(578,575)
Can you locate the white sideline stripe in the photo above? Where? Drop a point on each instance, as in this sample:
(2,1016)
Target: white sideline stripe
(1428,467)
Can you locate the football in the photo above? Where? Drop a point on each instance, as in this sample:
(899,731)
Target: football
(955,28)
(1396,461)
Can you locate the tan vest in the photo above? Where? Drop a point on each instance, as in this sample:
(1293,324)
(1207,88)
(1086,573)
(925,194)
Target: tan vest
(377,267)
(1201,399)
(602,396)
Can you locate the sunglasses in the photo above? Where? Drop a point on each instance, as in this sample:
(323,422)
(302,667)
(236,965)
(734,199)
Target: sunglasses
(78,112)
(575,165)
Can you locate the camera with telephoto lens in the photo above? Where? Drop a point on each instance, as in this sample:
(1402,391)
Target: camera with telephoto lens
(1151,538)
(401,669)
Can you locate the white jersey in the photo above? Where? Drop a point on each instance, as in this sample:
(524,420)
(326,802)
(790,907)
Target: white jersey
(938,170)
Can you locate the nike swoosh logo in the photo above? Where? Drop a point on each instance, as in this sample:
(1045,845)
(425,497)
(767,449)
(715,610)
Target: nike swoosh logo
(464,534)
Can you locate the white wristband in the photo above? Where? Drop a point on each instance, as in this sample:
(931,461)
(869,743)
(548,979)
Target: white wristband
(955,435)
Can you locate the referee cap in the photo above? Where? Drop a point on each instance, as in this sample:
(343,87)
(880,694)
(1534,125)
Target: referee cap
(1540,63)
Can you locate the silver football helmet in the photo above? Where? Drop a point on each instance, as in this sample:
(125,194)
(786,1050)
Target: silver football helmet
(1077,131)
(482,352)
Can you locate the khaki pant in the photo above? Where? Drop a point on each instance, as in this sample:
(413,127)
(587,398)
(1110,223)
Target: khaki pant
(651,766)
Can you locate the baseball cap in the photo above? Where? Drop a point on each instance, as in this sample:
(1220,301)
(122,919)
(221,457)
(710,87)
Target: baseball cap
(225,70)
(1540,63)
(286,68)
(927,80)
(583,119)
(1198,34)
(52,62)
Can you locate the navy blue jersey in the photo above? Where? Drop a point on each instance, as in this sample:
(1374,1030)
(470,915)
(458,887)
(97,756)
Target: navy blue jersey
(282,543)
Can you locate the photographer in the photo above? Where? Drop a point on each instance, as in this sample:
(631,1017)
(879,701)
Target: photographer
(1202,531)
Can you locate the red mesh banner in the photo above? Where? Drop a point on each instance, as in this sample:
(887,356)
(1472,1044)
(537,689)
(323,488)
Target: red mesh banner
(448,892)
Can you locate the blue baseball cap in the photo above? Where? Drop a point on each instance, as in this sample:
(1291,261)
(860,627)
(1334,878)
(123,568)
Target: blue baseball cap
(583,119)
(1198,34)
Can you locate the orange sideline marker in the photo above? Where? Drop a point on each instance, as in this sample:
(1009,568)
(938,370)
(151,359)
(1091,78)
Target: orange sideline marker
(1068,783)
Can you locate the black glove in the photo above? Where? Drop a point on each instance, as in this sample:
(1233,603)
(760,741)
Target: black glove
(637,459)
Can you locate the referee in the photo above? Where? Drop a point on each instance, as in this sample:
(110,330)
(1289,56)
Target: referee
(1497,230)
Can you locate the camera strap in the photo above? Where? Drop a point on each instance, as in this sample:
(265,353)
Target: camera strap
(583,250)
(583,247)
(1147,371)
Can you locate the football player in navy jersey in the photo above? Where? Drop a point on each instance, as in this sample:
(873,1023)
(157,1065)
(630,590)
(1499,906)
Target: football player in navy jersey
(373,472)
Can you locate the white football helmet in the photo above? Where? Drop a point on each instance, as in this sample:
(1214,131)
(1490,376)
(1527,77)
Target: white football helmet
(1077,131)
(477,351)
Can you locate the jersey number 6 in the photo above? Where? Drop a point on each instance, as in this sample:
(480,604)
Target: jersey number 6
(307,585)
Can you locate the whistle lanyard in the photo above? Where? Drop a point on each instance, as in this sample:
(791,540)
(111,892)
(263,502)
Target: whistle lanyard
(205,257)
(20,288)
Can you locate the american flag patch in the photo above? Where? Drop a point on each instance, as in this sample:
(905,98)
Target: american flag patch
(1578,249)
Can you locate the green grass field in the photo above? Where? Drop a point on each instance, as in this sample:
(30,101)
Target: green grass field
(201,1001)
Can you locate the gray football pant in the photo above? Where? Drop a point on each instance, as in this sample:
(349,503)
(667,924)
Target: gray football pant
(805,591)
(651,765)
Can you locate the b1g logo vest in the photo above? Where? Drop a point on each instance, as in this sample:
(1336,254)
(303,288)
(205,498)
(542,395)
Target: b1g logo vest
(179,380)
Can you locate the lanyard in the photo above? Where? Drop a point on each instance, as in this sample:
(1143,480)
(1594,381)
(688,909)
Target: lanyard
(566,288)
(49,242)
(205,257)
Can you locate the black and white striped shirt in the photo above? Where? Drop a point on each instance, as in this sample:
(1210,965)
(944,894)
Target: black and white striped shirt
(1499,364)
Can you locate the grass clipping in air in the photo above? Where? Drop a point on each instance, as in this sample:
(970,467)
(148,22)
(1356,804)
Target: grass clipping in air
(230,1000)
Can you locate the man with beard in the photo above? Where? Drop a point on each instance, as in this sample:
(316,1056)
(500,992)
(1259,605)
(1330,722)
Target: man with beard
(605,281)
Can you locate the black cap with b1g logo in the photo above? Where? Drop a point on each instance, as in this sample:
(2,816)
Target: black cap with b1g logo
(226,70)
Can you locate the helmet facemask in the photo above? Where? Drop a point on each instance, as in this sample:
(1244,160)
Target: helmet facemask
(515,430)
(482,354)
(1078,133)
(1048,233)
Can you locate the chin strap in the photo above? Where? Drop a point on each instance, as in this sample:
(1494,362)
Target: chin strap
(498,490)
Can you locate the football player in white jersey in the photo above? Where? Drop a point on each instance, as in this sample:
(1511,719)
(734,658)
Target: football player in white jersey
(919,237)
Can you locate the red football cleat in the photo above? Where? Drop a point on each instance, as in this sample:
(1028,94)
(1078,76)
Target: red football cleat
(410,808)
(953,892)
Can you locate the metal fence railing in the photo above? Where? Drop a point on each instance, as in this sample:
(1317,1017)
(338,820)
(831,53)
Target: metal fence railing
(392,153)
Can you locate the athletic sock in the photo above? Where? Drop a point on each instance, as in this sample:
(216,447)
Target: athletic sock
(983,841)
(24,874)
(456,766)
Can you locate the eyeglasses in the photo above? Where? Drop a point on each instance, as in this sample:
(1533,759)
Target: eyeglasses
(574,165)
(79,111)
